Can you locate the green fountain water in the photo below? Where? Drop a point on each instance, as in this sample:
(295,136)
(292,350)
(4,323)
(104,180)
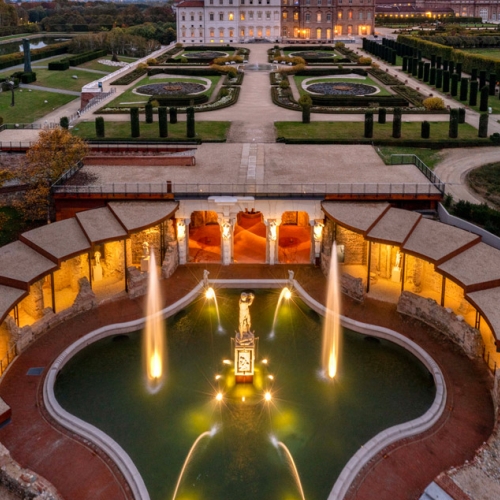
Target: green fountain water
(168,433)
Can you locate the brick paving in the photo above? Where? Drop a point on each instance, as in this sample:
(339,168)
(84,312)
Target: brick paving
(402,471)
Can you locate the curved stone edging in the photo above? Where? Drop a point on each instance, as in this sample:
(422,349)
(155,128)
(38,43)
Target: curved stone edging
(351,469)
(389,436)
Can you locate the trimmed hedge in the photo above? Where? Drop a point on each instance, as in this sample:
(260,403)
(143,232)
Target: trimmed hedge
(86,57)
(16,58)
(99,127)
(179,101)
(130,77)
(162,121)
(365,101)
(135,130)
(28,77)
(184,71)
(61,65)
(383,77)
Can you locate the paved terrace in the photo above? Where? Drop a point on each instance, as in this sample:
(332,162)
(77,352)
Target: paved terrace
(266,167)
(402,471)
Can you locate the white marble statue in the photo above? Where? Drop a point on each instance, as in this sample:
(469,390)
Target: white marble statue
(145,250)
(97,257)
(246,301)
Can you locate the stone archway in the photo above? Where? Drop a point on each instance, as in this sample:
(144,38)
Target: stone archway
(204,237)
(249,238)
(294,241)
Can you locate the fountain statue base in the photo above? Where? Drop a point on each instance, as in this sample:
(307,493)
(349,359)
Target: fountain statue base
(244,357)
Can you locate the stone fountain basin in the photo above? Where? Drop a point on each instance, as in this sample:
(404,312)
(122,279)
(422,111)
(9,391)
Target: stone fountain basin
(364,454)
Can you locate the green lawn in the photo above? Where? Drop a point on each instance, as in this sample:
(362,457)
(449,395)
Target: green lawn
(366,81)
(492,53)
(30,106)
(124,100)
(355,130)
(431,157)
(205,131)
(485,180)
(64,79)
(103,67)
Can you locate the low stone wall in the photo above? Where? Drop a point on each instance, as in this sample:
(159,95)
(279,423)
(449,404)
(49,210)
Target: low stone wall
(350,286)
(84,301)
(23,482)
(443,320)
(137,282)
(141,161)
(171,260)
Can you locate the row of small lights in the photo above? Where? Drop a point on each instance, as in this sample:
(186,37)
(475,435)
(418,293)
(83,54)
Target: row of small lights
(267,395)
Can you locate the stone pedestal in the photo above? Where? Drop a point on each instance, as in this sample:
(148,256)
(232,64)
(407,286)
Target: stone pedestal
(97,272)
(396,275)
(145,264)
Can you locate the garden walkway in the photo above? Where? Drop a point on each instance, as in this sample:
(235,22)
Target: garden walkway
(403,471)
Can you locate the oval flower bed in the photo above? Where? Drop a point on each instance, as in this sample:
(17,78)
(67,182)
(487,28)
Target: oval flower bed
(341,88)
(173,88)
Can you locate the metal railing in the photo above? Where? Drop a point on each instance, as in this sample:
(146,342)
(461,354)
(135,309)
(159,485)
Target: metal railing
(406,159)
(68,174)
(257,190)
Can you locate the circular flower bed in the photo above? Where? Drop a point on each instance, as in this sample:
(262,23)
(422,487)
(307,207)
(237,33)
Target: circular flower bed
(173,88)
(203,55)
(341,88)
(311,54)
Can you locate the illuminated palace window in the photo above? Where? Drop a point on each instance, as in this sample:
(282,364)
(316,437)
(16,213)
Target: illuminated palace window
(231,16)
(242,16)
(295,16)
(339,14)
(318,17)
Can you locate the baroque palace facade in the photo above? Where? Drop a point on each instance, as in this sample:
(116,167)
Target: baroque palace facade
(227,21)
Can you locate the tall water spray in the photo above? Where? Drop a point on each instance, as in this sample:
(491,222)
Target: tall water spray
(331,328)
(291,464)
(209,433)
(285,294)
(154,332)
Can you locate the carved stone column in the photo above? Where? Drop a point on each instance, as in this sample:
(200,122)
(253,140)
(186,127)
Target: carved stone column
(272,240)
(183,239)
(227,229)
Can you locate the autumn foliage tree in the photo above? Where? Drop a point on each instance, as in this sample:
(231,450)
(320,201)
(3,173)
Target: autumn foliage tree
(55,152)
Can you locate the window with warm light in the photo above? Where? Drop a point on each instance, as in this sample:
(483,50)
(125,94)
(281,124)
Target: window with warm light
(221,32)
(318,17)
(231,32)
(295,16)
(349,15)
(212,32)
(339,14)
(242,16)
(268,31)
(230,16)
(250,31)
(285,14)
(242,32)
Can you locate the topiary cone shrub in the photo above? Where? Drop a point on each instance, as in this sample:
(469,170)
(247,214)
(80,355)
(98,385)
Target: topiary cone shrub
(396,123)
(453,131)
(483,125)
(464,89)
(454,85)
(149,112)
(162,121)
(305,102)
(461,115)
(474,86)
(173,115)
(382,115)
(99,127)
(190,128)
(485,94)
(425,130)
(134,122)
(368,125)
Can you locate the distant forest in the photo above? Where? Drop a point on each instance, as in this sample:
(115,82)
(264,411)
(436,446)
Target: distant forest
(150,21)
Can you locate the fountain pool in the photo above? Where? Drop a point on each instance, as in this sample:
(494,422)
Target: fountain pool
(232,440)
